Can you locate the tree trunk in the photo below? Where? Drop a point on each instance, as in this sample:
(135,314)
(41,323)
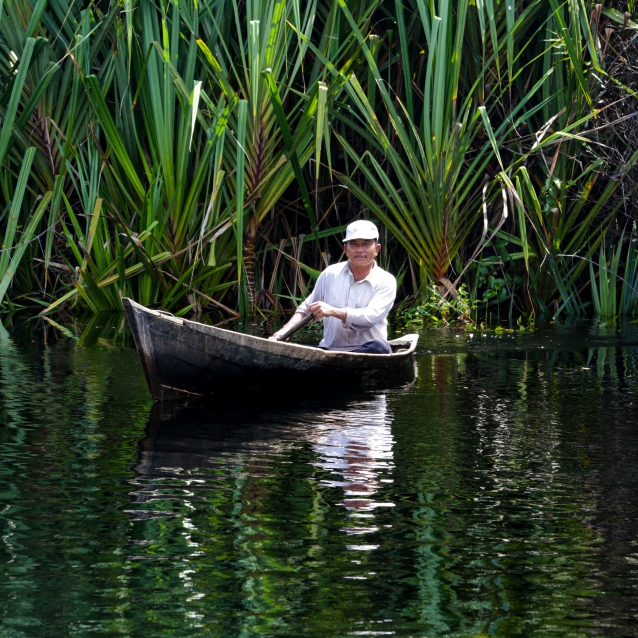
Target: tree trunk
(440,270)
(250,235)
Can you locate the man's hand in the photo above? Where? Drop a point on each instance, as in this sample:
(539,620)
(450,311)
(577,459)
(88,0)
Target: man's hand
(321,309)
(296,318)
(275,335)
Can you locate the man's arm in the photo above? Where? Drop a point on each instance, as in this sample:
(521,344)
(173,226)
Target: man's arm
(294,320)
(377,309)
(360,318)
(303,309)
(321,309)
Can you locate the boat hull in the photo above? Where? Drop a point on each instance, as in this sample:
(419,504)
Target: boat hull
(182,357)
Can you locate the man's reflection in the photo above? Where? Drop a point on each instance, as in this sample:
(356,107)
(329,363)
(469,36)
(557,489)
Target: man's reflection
(355,445)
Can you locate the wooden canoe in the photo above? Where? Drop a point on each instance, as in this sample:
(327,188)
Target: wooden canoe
(182,357)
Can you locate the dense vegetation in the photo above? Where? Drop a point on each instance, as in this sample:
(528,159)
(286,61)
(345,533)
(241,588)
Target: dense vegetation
(207,155)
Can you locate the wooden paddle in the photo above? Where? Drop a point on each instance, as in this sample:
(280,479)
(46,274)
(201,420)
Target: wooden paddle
(291,331)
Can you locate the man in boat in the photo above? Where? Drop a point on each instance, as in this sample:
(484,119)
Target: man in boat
(352,297)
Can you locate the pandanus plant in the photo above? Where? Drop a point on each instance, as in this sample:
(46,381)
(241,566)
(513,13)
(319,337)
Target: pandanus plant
(160,131)
(564,205)
(277,108)
(156,174)
(425,155)
(445,138)
(44,113)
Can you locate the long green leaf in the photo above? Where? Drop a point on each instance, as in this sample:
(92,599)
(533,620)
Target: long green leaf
(19,250)
(14,101)
(15,210)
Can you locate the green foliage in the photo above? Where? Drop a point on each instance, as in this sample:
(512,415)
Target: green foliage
(563,207)
(424,173)
(495,276)
(439,309)
(614,293)
(199,155)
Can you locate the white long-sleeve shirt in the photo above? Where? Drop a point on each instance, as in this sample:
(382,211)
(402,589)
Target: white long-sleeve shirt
(367,304)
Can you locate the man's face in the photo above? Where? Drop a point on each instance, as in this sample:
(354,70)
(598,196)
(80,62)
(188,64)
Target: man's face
(361,252)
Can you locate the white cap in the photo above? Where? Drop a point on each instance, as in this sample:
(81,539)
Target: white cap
(361,229)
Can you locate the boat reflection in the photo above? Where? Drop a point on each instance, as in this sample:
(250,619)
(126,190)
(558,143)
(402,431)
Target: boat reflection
(349,435)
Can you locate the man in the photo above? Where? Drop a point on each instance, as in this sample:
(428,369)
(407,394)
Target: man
(353,297)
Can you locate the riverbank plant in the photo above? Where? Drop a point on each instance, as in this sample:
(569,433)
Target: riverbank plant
(436,309)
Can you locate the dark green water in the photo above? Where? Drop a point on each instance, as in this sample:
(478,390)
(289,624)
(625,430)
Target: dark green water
(495,496)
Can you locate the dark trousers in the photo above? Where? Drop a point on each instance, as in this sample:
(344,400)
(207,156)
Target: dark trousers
(376,346)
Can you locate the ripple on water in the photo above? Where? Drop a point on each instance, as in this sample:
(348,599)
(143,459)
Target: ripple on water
(494,496)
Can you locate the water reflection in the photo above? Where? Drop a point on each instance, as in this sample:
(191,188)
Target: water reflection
(260,492)
(540,448)
(497,496)
(351,437)
(355,446)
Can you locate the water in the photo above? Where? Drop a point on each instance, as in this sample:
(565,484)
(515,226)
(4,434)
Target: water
(495,496)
